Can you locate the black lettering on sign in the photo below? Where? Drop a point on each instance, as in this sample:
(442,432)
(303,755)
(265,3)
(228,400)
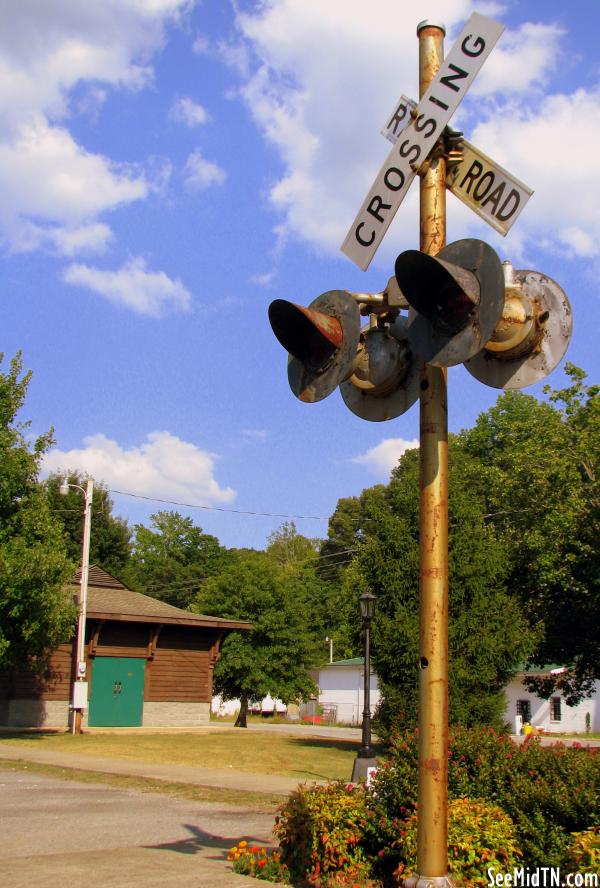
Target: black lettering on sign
(365,243)
(487,180)
(495,197)
(474,171)
(478,46)
(503,214)
(438,102)
(399,115)
(420,125)
(375,206)
(459,74)
(405,152)
(394,186)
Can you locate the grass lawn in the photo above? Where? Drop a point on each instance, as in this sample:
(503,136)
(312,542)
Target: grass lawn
(255,801)
(303,758)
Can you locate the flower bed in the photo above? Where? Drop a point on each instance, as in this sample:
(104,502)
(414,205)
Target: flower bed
(510,805)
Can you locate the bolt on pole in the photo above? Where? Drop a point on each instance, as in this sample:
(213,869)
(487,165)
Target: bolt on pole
(432,829)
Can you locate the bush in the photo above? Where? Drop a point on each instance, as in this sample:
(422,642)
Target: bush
(319,829)
(549,792)
(480,836)
(584,853)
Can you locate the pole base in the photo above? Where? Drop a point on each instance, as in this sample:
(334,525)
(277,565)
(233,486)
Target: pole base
(416,881)
(360,770)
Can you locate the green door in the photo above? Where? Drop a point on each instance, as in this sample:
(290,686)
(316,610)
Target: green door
(117,692)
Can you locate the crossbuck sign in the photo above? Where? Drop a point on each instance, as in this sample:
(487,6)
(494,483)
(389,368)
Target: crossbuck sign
(446,91)
(481,183)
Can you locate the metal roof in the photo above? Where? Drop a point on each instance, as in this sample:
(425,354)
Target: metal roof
(109,599)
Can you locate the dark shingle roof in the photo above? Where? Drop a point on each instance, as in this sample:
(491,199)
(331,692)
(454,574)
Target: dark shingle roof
(108,598)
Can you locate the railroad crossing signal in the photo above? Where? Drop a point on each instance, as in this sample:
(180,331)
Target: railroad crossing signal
(510,328)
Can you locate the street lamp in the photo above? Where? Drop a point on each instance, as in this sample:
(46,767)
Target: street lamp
(80,684)
(329,641)
(365,757)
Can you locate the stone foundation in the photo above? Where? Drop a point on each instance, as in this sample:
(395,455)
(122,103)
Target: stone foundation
(175,715)
(35,713)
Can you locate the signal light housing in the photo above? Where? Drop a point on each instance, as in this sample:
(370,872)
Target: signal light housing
(456,300)
(532,335)
(321,339)
(385,377)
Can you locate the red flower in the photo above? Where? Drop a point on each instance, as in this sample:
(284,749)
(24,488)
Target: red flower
(262,862)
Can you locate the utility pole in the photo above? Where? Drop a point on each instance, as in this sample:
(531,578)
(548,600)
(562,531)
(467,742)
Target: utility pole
(80,685)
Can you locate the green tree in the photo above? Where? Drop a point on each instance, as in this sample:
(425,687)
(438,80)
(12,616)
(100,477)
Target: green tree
(488,635)
(285,546)
(109,538)
(297,558)
(274,657)
(539,482)
(172,558)
(35,614)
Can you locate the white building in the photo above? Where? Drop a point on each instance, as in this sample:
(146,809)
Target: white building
(341,690)
(553,715)
(341,696)
(267,706)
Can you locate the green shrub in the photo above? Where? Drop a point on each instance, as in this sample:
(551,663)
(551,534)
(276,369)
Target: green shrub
(319,829)
(549,792)
(584,852)
(480,836)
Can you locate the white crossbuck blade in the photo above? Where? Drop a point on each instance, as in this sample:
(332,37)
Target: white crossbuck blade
(444,94)
(481,183)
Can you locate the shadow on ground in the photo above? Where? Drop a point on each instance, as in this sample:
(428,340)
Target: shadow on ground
(201,841)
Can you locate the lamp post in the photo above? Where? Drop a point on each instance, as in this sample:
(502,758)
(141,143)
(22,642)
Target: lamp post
(80,683)
(365,757)
(329,641)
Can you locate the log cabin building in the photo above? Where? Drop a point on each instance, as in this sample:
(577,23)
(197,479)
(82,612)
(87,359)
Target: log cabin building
(148,664)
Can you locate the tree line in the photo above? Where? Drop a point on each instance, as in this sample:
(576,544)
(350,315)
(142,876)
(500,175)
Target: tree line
(523,563)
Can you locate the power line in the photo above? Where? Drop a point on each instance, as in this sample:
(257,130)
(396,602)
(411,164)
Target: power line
(154,499)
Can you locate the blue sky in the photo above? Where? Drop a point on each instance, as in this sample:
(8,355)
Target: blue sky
(168,168)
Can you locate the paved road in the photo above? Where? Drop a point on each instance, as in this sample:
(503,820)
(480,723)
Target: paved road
(63,833)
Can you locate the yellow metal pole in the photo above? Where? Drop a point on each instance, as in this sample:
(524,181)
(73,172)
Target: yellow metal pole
(432,832)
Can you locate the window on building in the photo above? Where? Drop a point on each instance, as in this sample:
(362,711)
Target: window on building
(555,714)
(524,710)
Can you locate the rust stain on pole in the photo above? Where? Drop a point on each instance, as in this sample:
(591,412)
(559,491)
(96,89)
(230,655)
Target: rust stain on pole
(432,832)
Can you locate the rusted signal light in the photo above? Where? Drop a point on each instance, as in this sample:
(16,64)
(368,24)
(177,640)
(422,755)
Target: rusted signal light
(531,336)
(456,300)
(374,367)
(322,341)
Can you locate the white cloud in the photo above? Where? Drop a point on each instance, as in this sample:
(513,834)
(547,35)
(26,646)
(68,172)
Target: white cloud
(322,111)
(188,112)
(45,175)
(163,466)
(381,459)
(521,60)
(51,185)
(264,280)
(133,286)
(201,44)
(201,173)
(255,434)
(563,212)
